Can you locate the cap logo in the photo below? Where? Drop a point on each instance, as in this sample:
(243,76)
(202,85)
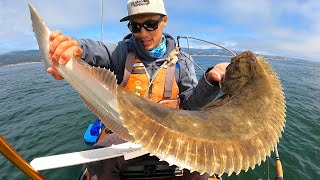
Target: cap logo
(140,3)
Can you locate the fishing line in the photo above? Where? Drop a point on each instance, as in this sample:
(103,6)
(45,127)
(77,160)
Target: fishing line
(190,56)
(268,169)
(188,37)
(102,14)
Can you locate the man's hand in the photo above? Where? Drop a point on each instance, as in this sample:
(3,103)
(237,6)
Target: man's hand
(62,49)
(216,74)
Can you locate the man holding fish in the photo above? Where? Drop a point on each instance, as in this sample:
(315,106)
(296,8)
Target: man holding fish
(145,62)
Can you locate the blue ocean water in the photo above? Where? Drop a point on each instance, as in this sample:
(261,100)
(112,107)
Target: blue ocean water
(40,116)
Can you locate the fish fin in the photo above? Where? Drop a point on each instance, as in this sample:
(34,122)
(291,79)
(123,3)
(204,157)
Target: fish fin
(108,122)
(279,107)
(174,147)
(108,78)
(42,33)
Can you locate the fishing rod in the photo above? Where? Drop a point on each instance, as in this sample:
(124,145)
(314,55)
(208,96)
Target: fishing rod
(279,170)
(14,157)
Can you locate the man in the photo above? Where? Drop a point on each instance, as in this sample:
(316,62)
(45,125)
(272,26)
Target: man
(141,64)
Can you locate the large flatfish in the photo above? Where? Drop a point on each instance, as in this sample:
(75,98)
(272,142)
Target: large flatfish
(234,132)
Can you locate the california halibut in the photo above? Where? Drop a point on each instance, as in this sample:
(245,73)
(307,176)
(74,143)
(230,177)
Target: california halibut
(235,132)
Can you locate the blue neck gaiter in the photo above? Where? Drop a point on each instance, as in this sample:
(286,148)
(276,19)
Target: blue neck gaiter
(159,51)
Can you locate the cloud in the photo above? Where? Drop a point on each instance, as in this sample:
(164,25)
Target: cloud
(71,16)
(289,27)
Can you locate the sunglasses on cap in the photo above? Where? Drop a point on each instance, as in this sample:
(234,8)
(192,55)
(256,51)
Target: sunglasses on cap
(149,25)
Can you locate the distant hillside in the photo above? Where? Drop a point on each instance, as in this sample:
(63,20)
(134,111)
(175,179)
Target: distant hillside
(34,55)
(20,57)
(219,52)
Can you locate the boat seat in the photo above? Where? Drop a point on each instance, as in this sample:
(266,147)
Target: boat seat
(151,168)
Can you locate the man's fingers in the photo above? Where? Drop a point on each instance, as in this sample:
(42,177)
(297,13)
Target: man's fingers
(219,71)
(73,51)
(62,48)
(54,34)
(77,52)
(221,67)
(63,52)
(216,75)
(53,71)
(54,45)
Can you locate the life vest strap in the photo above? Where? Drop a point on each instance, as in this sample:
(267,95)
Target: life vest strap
(128,67)
(169,81)
(170,72)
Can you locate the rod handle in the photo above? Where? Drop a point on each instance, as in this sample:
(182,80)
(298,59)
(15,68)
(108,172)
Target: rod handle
(279,170)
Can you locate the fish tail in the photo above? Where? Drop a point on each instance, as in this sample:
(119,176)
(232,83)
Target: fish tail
(42,33)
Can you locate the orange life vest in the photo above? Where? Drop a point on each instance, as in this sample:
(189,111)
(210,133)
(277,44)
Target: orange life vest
(164,88)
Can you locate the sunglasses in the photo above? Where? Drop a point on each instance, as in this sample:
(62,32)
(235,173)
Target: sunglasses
(149,25)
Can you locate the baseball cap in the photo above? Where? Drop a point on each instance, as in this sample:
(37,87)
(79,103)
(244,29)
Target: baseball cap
(144,7)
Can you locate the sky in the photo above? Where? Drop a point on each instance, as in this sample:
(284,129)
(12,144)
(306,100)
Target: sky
(289,28)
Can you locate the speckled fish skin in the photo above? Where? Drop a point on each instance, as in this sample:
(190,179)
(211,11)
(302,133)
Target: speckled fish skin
(233,133)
